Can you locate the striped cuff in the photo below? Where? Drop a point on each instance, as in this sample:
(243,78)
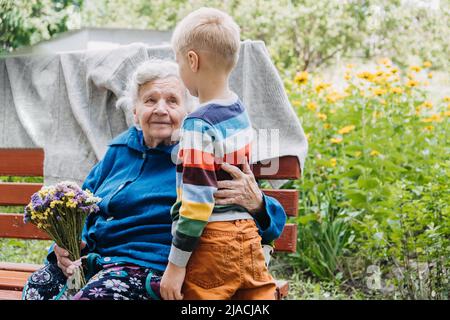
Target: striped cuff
(179,257)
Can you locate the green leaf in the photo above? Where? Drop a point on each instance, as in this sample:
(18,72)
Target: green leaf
(369,183)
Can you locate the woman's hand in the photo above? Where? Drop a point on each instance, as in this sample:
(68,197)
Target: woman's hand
(242,190)
(64,263)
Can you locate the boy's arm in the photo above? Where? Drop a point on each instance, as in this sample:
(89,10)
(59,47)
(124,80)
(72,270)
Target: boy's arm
(198,188)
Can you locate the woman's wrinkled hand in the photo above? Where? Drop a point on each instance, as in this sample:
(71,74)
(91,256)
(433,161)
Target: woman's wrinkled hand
(64,263)
(242,190)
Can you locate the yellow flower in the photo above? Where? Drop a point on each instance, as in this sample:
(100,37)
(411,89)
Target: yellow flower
(71,204)
(415,68)
(378,91)
(333,97)
(412,83)
(394,70)
(447,99)
(335,140)
(54,203)
(427,104)
(321,86)
(296,103)
(447,113)
(396,90)
(312,106)
(430,75)
(301,78)
(43,192)
(433,118)
(357,153)
(418,109)
(366,75)
(350,66)
(428,128)
(327,126)
(427,64)
(346,129)
(374,153)
(333,162)
(347,76)
(308,135)
(322,116)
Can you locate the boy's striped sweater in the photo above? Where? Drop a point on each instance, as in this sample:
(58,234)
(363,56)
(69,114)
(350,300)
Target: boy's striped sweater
(217,132)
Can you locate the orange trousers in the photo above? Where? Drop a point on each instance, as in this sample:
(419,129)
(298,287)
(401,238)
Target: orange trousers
(228,264)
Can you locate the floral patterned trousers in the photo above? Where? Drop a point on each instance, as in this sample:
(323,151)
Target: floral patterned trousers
(113,282)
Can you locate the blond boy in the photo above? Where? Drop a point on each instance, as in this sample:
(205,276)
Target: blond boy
(216,250)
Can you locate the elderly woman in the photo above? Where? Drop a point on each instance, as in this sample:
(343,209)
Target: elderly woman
(127,242)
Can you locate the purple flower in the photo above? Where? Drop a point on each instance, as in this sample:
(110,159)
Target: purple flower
(58,195)
(36,202)
(27,214)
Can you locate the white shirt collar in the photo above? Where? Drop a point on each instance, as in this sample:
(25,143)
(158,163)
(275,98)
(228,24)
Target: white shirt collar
(231,99)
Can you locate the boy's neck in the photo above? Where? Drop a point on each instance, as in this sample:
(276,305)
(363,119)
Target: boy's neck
(213,88)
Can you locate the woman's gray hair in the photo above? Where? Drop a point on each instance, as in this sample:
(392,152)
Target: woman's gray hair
(147,71)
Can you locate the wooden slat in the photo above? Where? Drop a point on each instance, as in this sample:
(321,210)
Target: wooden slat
(287,198)
(286,167)
(13,280)
(24,267)
(13,194)
(282,289)
(12,226)
(287,242)
(22,162)
(10,295)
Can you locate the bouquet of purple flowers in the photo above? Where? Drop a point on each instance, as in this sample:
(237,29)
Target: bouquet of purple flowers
(61,211)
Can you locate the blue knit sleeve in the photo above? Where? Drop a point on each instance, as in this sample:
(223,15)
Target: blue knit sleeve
(271,220)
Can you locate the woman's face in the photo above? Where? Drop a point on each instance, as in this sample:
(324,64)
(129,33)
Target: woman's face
(160,108)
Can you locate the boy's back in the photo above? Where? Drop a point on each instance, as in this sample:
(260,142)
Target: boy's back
(228,260)
(218,131)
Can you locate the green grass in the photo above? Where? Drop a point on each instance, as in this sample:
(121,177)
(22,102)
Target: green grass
(304,286)
(23,251)
(17,250)
(21,179)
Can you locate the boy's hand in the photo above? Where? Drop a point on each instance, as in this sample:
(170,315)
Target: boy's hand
(172,281)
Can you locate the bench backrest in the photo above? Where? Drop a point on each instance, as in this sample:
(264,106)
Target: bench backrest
(30,162)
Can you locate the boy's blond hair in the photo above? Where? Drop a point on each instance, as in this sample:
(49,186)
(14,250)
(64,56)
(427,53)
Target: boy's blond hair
(211,30)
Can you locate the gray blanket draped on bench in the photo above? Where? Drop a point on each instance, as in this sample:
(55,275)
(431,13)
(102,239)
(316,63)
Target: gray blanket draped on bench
(65,104)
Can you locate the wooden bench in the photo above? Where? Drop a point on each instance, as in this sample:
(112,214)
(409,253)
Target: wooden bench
(29,162)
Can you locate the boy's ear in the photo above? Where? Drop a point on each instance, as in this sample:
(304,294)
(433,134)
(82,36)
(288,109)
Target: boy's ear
(193,60)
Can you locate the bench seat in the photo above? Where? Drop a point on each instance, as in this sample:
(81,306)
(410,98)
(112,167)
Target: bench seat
(29,162)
